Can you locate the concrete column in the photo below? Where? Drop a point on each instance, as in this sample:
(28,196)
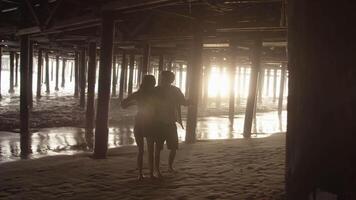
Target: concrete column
(39,73)
(90,111)
(131,71)
(57,72)
(12,59)
(251,100)
(194,88)
(82,77)
(47,73)
(24,105)
(122,76)
(101,131)
(64,62)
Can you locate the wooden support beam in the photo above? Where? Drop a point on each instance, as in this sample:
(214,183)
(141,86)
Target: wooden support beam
(160,67)
(76,74)
(47,73)
(57,72)
(146,59)
(30,71)
(274,85)
(90,112)
(131,71)
(207,71)
(39,73)
(16,68)
(232,72)
(261,81)
(122,76)
(82,77)
(194,88)
(251,100)
(0,70)
(64,62)
(281,89)
(24,105)
(71,72)
(12,57)
(268,76)
(139,70)
(101,131)
(114,76)
(180,75)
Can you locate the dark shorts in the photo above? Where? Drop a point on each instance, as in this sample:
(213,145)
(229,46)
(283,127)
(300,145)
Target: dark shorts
(168,133)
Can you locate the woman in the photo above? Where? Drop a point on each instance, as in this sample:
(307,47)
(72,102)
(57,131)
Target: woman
(144,99)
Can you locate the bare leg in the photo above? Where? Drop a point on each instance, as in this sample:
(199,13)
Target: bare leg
(172,155)
(150,147)
(140,145)
(157,160)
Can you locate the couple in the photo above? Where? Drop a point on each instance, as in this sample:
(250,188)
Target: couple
(158,112)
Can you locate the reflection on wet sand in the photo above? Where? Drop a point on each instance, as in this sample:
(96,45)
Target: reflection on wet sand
(70,140)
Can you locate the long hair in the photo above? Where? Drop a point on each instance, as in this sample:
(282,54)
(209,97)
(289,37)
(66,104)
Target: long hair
(148,83)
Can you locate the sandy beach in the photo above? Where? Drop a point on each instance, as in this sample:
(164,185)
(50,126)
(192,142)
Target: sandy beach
(219,169)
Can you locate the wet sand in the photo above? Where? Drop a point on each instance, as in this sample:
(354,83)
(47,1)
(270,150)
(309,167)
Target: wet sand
(218,169)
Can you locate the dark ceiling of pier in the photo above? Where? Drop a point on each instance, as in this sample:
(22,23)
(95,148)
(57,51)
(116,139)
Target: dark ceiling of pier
(64,24)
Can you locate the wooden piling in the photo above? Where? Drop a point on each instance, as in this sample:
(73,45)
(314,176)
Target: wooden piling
(12,57)
(64,62)
(122,76)
(24,106)
(160,67)
(47,73)
(251,100)
(281,88)
(39,73)
(76,74)
(71,71)
(90,112)
(194,87)
(30,76)
(82,77)
(232,73)
(114,76)
(101,131)
(261,81)
(274,85)
(146,59)
(268,75)
(0,70)
(131,71)
(16,68)
(57,72)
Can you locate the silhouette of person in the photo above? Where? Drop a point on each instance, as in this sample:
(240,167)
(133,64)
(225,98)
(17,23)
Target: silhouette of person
(144,99)
(169,99)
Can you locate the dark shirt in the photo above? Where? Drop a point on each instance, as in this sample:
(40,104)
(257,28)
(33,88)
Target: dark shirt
(168,102)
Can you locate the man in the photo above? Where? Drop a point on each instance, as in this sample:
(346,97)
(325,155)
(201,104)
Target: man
(169,100)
